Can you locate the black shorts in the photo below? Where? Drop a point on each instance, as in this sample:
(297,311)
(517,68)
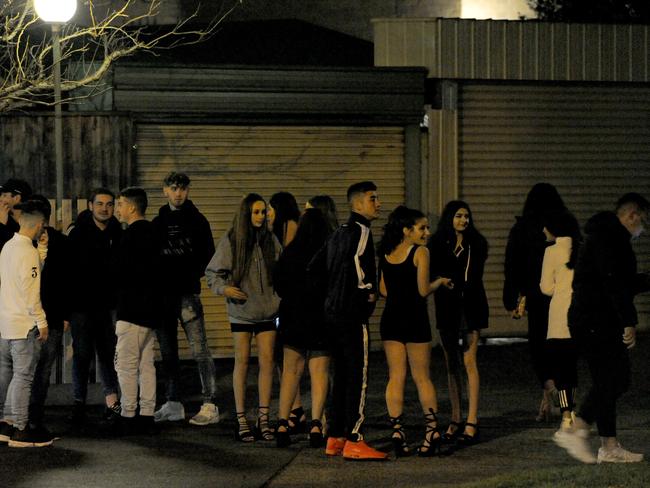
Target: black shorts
(255,328)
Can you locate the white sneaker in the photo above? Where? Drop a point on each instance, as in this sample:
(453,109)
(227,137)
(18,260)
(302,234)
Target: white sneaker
(170,412)
(209,414)
(618,455)
(575,442)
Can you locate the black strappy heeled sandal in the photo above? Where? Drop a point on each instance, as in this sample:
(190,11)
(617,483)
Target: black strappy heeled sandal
(398,437)
(466,439)
(432,438)
(316,438)
(297,421)
(456,429)
(263,430)
(282,437)
(243,431)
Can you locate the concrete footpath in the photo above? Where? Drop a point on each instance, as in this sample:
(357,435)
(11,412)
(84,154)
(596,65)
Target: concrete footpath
(187,456)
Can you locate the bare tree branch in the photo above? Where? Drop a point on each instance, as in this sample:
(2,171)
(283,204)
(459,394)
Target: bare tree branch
(26,77)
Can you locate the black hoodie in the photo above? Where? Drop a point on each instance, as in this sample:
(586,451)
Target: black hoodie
(93,253)
(186,246)
(605,280)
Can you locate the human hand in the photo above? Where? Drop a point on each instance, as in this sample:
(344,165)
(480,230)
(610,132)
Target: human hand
(44,239)
(629,337)
(43,334)
(372,298)
(235,293)
(447,283)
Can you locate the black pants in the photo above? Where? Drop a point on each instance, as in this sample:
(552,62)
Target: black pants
(350,355)
(537,308)
(609,365)
(563,358)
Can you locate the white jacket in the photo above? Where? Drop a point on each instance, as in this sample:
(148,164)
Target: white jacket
(557,282)
(20,289)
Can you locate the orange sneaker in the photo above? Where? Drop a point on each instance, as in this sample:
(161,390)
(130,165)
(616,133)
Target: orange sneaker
(334,446)
(361,451)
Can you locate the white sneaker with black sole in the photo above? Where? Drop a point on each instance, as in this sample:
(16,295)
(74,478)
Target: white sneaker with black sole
(209,414)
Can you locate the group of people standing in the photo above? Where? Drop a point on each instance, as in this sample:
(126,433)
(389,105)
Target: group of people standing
(304,287)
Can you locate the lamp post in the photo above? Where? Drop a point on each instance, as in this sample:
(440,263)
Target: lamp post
(56,13)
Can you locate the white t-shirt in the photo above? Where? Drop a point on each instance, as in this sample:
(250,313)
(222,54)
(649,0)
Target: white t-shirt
(556,281)
(20,289)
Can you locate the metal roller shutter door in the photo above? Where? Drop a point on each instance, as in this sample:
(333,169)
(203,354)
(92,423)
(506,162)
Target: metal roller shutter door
(227,162)
(591,142)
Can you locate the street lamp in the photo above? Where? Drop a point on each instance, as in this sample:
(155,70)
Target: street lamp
(56,13)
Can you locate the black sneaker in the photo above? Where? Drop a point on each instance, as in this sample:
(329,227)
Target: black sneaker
(29,438)
(146,425)
(6,431)
(41,432)
(112,413)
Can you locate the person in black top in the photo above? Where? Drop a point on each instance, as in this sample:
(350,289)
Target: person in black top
(405,329)
(94,239)
(459,251)
(301,327)
(186,249)
(56,303)
(12,193)
(602,319)
(523,270)
(347,267)
(138,297)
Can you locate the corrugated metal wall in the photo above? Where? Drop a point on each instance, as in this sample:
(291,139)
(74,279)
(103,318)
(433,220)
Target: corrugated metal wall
(591,142)
(515,50)
(227,162)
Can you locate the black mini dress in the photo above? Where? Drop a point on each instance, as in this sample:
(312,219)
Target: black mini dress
(405,318)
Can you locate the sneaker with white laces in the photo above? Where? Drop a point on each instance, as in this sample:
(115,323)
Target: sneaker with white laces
(209,414)
(170,412)
(618,455)
(575,442)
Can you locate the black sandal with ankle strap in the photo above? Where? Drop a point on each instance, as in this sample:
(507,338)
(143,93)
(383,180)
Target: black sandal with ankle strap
(450,437)
(263,430)
(432,438)
(466,439)
(243,431)
(297,421)
(316,439)
(282,437)
(398,437)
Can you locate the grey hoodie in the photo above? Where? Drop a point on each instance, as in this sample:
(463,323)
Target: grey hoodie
(262,304)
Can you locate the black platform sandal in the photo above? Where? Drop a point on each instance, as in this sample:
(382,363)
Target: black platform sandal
(456,429)
(282,437)
(432,438)
(466,439)
(398,437)
(297,421)
(316,438)
(263,430)
(243,431)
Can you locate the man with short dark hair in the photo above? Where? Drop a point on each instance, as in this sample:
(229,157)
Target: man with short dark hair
(348,263)
(23,327)
(602,320)
(12,193)
(94,240)
(186,249)
(137,282)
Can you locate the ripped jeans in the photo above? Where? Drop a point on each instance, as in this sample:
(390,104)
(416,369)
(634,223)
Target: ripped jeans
(187,310)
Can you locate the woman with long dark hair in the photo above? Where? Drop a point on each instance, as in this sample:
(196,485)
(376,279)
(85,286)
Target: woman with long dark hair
(302,331)
(523,269)
(556,281)
(405,329)
(326,205)
(283,215)
(241,270)
(459,251)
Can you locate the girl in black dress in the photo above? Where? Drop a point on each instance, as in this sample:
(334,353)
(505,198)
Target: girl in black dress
(459,251)
(405,329)
(301,330)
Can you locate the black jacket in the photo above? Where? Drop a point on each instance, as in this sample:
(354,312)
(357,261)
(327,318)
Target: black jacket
(523,263)
(7,231)
(93,253)
(466,297)
(55,280)
(138,276)
(334,267)
(605,280)
(186,246)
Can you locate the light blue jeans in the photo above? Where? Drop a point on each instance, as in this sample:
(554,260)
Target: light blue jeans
(18,360)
